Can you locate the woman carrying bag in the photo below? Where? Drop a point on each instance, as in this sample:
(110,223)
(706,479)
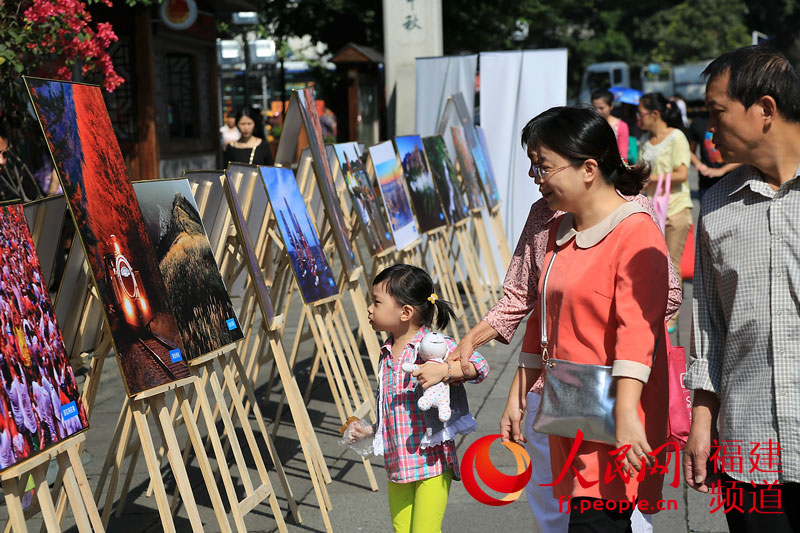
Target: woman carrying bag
(668,155)
(603,294)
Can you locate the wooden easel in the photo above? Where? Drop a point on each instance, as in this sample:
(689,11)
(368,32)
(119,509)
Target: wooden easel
(312,452)
(301,123)
(341,361)
(135,411)
(456,112)
(350,283)
(255,493)
(480,292)
(70,473)
(239,255)
(417,252)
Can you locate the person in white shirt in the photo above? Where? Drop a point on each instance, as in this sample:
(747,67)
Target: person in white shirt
(230,133)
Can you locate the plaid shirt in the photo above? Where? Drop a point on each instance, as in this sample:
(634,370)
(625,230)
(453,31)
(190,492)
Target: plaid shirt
(746,323)
(403,423)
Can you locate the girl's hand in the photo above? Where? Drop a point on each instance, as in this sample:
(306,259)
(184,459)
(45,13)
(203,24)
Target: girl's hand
(359,430)
(430,373)
(511,421)
(630,431)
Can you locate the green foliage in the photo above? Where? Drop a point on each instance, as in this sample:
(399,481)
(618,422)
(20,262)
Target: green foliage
(697,29)
(334,22)
(635,31)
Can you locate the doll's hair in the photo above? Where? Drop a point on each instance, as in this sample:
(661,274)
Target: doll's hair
(410,285)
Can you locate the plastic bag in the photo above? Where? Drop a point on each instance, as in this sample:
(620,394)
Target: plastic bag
(357,434)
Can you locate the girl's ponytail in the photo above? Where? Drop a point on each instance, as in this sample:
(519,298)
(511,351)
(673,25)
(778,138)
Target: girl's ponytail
(444,312)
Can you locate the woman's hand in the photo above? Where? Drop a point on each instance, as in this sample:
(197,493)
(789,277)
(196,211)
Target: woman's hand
(630,432)
(477,336)
(512,420)
(461,354)
(514,413)
(430,373)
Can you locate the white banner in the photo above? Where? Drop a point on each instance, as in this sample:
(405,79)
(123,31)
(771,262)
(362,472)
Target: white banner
(437,79)
(515,87)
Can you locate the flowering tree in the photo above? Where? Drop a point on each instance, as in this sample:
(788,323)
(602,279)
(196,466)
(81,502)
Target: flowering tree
(53,39)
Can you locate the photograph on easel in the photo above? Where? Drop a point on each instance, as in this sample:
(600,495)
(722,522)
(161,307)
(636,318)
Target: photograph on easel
(485,162)
(468,172)
(40,404)
(367,205)
(311,268)
(390,180)
(482,170)
(195,289)
(118,249)
(313,129)
(424,197)
(446,179)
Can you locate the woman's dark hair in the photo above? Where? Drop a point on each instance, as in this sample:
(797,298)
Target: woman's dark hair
(410,285)
(757,71)
(255,116)
(578,134)
(670,112)
(603,94)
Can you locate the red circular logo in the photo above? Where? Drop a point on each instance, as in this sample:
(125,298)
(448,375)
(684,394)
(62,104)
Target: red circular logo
(512,486)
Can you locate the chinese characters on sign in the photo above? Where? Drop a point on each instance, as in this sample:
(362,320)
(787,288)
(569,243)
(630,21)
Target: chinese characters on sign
(411,21)
(726,458)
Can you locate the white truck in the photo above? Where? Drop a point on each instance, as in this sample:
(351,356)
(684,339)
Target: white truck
(686,79)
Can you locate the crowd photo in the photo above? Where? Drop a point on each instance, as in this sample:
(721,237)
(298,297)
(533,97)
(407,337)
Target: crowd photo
(40,403)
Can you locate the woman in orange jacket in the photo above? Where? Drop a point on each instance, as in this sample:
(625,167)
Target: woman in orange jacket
(606,292)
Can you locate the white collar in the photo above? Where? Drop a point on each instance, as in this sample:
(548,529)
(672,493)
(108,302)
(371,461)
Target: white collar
(591,236)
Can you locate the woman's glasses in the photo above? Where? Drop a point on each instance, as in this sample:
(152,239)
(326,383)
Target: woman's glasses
(540,175)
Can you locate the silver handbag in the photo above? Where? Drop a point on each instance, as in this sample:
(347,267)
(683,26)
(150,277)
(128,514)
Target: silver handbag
(576,396)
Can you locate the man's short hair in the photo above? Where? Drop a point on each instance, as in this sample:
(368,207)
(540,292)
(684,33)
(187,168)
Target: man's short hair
(757,71)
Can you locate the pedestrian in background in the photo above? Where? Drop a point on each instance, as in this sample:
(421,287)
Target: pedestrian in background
(229,131)
(710,166)
(251,148)
(603,103)
(666,151)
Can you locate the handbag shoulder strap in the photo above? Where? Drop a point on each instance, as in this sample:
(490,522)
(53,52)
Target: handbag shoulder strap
(543,318)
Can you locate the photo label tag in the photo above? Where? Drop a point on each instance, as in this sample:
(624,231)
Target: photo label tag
(175,355)
(331,282)
(387,235)
(441,216)
(68,411)
(231,322)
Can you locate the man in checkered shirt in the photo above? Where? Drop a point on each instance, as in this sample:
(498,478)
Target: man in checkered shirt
(745,354)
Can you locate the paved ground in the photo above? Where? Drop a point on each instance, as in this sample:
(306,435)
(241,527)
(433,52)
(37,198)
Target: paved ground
(355,507)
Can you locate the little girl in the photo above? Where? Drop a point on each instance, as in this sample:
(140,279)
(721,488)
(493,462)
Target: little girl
(404,305)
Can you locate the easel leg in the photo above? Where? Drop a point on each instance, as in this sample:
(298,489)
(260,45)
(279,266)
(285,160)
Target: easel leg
(152,465)
(202,458)
(48,510)
(13,491)
(83,487)
(251,440)
(118,458)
